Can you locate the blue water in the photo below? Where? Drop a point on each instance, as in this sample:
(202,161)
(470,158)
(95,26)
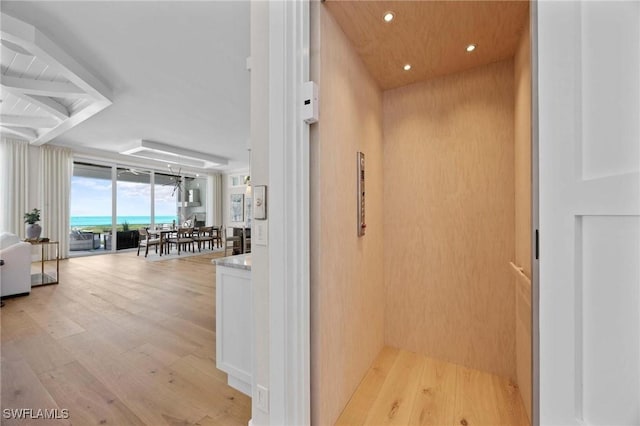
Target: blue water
(79,221)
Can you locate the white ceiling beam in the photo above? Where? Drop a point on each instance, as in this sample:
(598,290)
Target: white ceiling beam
(15,48)
(42,88)
(28,121)
(27,37)
(77,118)
(54,108)
(24,133)
(32,40)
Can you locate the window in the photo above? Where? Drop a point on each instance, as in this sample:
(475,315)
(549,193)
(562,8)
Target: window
(90,206)
(166,199)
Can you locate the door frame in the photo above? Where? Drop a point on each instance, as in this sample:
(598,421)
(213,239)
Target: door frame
(289,309)
(535,221)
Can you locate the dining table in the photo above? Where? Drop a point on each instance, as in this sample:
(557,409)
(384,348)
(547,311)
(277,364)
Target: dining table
(165,233)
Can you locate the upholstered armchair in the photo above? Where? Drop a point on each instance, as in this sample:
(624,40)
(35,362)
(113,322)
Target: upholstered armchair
(15,274)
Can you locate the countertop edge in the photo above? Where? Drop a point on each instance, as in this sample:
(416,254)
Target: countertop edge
(241,261)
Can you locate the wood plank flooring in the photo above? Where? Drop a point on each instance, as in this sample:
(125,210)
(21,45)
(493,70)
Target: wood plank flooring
(120,341)
(404,388)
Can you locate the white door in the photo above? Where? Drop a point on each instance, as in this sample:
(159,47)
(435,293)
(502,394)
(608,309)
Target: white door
(589,192)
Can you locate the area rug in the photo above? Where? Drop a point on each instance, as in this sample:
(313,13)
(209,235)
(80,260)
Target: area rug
(153,257)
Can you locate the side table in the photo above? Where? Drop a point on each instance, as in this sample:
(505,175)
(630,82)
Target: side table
(43,278)
(1,302)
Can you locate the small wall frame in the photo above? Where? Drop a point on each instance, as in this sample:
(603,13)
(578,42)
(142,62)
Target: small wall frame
(236,208)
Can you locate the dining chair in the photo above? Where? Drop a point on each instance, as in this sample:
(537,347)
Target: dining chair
(246,240)
(203,235)
(146,240)
(231,240)
(182,238)
(217,235)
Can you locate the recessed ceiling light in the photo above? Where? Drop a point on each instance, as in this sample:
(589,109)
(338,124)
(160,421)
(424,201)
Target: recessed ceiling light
(388,16)
(471,48)
(407,67)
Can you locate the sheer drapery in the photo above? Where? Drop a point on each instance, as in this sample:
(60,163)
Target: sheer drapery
(214,202)
(56,165)
(14,185)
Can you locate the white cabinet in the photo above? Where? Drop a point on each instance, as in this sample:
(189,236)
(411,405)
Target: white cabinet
(234,321)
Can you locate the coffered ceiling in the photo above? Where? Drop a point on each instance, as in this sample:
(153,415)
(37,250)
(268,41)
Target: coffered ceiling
(175,72)
(431,36)
(43,91)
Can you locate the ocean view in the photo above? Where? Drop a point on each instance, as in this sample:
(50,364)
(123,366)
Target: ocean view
(86,221)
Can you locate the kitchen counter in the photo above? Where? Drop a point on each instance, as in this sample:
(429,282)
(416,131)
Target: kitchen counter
(241,261)
(234,320)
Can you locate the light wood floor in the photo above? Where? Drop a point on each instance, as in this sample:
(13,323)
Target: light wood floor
(404,388)
(120,341)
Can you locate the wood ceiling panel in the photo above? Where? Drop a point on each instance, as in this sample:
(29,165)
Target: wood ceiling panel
(6,56)
(432,36)
(60,78)
(14,105)
(35,70)
(9,103)
(18,65)
(32,110)
(48,74)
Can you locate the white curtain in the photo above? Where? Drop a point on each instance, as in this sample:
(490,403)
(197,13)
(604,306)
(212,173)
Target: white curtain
(56,165)
(14,185)
(214,200)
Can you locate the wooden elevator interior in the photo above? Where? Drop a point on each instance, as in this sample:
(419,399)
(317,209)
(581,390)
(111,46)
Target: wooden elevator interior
(442,271)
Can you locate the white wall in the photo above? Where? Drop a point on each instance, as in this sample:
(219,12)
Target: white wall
(260,176)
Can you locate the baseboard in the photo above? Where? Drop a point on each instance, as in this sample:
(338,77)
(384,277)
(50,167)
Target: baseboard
(11,296)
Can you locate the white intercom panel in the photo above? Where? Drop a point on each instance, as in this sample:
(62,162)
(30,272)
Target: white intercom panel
(309,105)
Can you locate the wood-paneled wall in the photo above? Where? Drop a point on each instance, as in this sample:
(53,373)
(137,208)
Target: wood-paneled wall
(347,280)
(523,214)
(522,66)
(449,218)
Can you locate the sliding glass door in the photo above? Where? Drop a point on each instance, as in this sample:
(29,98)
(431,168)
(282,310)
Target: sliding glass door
(133,203)
(166,199)
(109,203)
(90,207)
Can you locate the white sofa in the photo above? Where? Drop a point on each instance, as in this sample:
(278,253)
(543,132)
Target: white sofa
(15,274)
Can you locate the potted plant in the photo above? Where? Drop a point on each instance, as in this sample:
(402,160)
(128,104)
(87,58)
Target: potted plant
(33,229)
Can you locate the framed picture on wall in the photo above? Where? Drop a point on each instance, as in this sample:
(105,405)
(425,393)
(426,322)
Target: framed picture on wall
(248,209)
(236,208)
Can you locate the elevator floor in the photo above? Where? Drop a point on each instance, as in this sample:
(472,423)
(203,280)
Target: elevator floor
(405,388)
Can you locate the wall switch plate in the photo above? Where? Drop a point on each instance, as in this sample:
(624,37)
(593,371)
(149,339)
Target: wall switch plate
(262,398)
(260,229)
